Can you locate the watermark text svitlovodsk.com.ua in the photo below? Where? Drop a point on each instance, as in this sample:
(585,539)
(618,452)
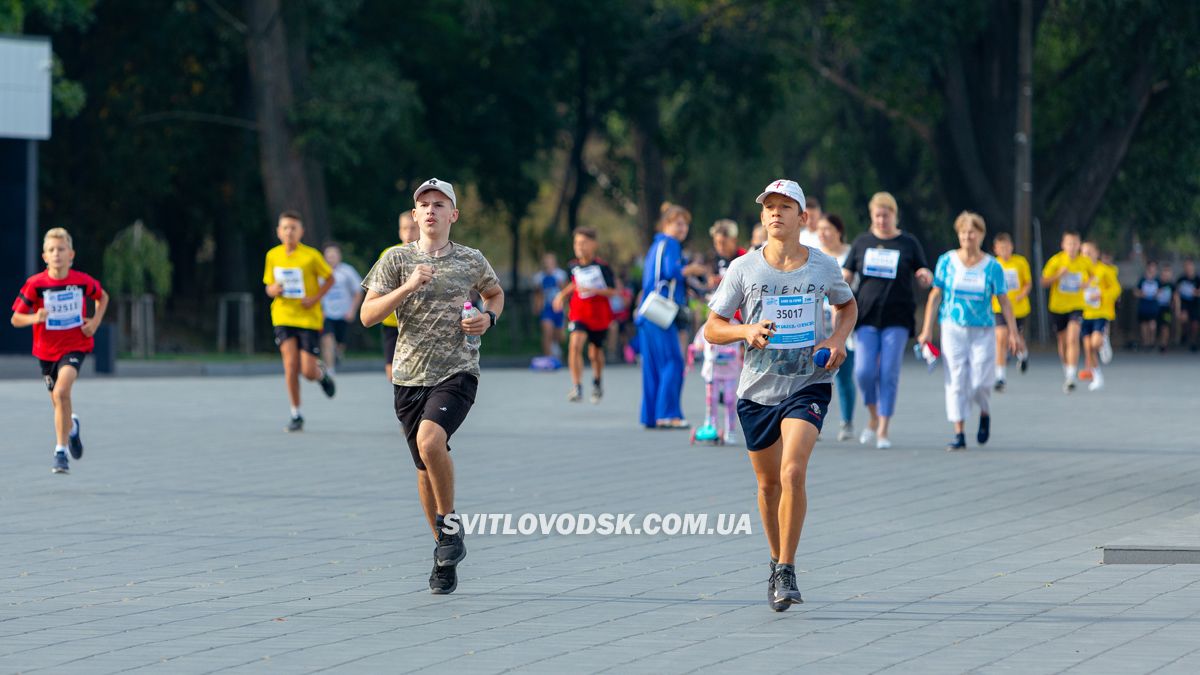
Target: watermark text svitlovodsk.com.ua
(603,524)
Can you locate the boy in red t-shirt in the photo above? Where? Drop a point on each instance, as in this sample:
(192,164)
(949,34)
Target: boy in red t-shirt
(54,302)
(592,284)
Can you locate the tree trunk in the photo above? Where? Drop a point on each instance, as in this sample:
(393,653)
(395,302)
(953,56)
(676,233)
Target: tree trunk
(583,128)
(651,172)
(288,178)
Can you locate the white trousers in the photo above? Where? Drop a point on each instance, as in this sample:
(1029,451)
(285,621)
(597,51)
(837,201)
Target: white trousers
(969,361)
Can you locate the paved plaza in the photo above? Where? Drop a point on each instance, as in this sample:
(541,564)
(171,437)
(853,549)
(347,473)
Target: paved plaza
(195,536)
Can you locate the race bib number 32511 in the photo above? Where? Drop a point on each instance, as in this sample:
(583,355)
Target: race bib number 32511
(64,309)
(795,319)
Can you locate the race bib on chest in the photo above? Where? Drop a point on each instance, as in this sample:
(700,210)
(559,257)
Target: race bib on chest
(881,262)
(1070,282)
(1149,287)
(292,280)
(587,279)
(969,283)
(795,319)
(1187,290)
(64,309)
(1012,282)
(1164,296)
(1091,297)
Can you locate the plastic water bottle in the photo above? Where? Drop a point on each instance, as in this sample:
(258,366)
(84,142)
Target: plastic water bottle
(821,357)
(468,312)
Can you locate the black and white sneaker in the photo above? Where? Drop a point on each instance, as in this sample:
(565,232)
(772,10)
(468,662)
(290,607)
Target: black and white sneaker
(576,394)
(296,424)
(1000,386)
(75,441)
(327,384)
(775,605)
(597,391)
(443,580)
(450,549)
(959,443)
(60,463)
(786,593)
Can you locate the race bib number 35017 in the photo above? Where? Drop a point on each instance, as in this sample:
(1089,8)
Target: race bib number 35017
(795,319)
(64,309)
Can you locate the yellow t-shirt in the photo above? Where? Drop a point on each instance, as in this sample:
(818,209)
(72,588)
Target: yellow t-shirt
(1066,295)
(299,273)
(1016,275)
(1100,297)
(390,320)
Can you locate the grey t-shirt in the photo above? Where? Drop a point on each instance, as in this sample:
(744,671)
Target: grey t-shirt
(795,301)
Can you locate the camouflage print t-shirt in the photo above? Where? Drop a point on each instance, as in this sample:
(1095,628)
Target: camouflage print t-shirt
(431,345)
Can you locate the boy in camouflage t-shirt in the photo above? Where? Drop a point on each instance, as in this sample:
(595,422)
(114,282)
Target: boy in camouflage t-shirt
(435,369)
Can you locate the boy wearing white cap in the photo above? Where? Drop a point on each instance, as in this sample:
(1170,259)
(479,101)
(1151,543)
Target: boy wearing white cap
(783,395)
(435,369)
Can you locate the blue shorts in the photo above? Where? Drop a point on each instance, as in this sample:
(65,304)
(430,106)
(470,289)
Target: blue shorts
(1092,326)
(762,423)
(548,314)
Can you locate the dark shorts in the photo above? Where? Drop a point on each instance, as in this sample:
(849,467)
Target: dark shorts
(1192,309)
(310,340)
(1061,321)
(762,423)
(1000,322)
(1092,326)
(596,337)
(390,333)
(50,368)
(338,328)
(1147,312)
(1165,316)
(445,404)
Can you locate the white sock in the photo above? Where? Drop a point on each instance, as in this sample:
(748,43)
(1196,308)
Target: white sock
(60,448)
(1000,371)
(74,426)
(295,411)
(1097,375)
(1070,370)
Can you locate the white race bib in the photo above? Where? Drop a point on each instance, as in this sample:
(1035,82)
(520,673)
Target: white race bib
(795,319)
(587,279)
(1149,287)
(1163,296)
(881,262)
(1012,282)
(1091,297)
(1070,282)
(292,280)
(1187,290)
(64,309)
(969,282)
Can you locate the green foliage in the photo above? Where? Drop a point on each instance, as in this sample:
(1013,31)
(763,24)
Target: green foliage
(138,262)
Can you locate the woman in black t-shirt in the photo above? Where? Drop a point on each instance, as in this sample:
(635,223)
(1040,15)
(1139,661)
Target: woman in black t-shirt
(887,262)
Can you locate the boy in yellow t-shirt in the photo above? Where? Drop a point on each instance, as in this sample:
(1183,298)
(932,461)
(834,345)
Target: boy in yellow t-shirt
(1019,282)
(292,277)
(1066,274)
(1100,307)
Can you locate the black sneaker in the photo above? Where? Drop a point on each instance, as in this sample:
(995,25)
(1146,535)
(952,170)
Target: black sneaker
(786,593)
(985,429)
(1024,365)
(1000,386)
(775,605)
(75,442)
(443,580)
(959,443)
(597,392)
(296,424)
(327,385)
(450,549)
(60,463)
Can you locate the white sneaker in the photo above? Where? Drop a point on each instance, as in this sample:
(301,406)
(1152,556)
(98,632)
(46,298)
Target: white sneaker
(1068,385)
(1097,382)
(847,432)
(883,444)
(866,436)
(731,438)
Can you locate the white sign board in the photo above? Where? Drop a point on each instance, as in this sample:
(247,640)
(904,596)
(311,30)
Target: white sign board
(25,68)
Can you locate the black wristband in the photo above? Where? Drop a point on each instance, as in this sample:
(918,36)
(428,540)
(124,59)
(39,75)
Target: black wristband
(491,314)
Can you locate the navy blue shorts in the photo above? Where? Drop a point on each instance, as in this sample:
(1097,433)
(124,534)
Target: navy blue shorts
(1092,326)
(762,423)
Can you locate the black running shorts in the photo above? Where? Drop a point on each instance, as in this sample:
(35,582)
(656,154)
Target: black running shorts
(595,337)
(445,404)
(1061,321)
(762,423)
(308,339)
(388,340)
(50,368)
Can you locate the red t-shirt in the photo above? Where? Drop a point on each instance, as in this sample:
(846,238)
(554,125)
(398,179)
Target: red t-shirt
(592,310)
(65,299)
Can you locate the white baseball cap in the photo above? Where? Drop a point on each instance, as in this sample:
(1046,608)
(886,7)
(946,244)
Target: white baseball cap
(787,188)
(439,185)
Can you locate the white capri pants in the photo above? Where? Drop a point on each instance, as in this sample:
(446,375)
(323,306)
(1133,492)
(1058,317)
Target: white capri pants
(969,355)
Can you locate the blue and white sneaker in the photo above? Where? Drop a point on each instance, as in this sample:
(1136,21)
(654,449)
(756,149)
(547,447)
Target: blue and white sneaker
(75,442)
(60,463)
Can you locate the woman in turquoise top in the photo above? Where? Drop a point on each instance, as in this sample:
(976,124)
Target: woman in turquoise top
(967,278)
